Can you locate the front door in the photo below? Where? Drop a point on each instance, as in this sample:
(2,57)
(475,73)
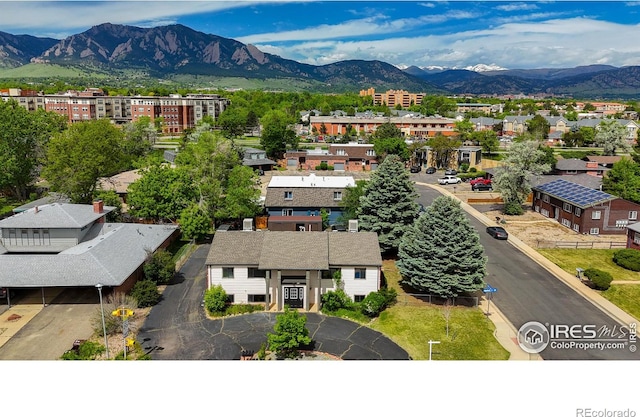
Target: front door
(294,297)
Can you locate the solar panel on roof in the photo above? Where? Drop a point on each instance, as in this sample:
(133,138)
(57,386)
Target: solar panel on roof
(574,193)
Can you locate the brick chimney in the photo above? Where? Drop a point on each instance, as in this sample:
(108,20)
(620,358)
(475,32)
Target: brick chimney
(98,206)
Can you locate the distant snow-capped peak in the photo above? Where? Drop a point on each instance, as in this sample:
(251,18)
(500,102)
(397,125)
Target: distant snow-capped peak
(484,67)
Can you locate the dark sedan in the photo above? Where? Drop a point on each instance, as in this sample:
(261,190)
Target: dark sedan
(498,232)
(415,169)
(481,187)
(431,170)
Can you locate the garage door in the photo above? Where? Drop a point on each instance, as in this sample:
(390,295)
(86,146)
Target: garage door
(338,166)
(292,162)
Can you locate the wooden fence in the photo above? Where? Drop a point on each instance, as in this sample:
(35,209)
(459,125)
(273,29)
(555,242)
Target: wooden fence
(545,244)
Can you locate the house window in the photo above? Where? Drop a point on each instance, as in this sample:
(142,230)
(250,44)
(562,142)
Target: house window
(358,298)
(545,198)
(622,223)
(337,195)
(566,207)
(566,222)
(538,195)
(257,273)
(287,212)
(360,273)
(330,273)
(288,195)
(371,152)
(227,272)
(636,238)
(633,215)
(231,298)
(594,231)
(576,227)
(340,152)
(544,212)
(257,298)
(595,215)
(578,211)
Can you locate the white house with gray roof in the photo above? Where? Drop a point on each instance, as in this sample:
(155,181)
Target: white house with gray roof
(70,245)
(293,268)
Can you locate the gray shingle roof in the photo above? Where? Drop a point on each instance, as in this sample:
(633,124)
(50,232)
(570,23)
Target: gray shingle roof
(110,257)
(576,164)
(48,199)
(302,197)
(294,250)
(55,216)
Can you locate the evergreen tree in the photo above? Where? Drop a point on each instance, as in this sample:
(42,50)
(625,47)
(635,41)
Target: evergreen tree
(388,206)
(441,253)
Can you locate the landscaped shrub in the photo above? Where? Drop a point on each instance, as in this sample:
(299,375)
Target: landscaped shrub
(86,351)
(373,304)
(473,169)
(513,208)
(335,300)
(159,267)
(600,279)
(464,167)
(628,259)
(146,293)
(234,309)
(215,299)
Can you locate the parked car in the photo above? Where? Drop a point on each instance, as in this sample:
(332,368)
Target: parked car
(498,232)
(4,292)
(449,179)
(451,172)
(480,180)
(415,168)
(431,170)
(481,186)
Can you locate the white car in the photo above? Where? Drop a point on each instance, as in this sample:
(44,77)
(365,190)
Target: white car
(449,179)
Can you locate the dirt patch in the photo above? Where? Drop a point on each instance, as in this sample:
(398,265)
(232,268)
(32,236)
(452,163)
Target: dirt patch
(533,229)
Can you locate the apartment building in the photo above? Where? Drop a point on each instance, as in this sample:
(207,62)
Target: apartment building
(411,126)
(394,97)
(175,112)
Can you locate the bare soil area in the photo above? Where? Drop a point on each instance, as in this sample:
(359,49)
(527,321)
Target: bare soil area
(533,228)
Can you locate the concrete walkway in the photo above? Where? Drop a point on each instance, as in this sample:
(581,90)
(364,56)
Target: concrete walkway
(505,331)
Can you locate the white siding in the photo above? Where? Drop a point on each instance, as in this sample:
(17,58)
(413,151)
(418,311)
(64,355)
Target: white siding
(365,286)
(240,285)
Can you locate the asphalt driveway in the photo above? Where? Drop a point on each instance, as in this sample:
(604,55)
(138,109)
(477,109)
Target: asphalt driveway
(178,329)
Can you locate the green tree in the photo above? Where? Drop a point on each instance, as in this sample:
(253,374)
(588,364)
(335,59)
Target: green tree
(388,206)
(77,157)
(139,137)
(194,222)
(159,267)
(161,193)
(386,131)
(487,139)
(110,198)
(441,253)
(289,334)
(513,179)
(350,202)
(146,293)
(23,136)
(623,180)
(233,121)
(538,127)
(277,133)
(391,146)
(443,149)
(242,194)
(611,135)
(464,130)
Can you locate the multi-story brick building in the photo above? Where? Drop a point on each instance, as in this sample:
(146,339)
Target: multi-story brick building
(414,126)
(175,113)
(394,97)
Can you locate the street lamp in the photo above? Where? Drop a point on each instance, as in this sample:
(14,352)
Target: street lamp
(104,328)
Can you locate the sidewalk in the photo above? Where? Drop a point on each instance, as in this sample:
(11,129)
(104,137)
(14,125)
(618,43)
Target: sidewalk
(505,331)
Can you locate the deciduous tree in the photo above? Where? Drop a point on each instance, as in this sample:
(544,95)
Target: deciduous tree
(611,135)
(389,205)
(289,334)
(623,180)
(242,194)
(441,253)
(277,133)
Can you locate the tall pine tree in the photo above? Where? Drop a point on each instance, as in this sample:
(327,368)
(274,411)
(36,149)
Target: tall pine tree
(388,206)
(441,254)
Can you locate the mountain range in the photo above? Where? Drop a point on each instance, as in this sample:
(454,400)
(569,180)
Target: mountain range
(168,51)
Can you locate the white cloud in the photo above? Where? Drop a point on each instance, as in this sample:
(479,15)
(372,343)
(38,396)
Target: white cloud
(516,7)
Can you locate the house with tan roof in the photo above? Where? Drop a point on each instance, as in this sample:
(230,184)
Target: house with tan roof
(293,268)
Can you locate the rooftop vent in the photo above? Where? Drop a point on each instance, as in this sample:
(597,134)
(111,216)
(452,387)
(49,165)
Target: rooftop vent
(247,225)
(353,225)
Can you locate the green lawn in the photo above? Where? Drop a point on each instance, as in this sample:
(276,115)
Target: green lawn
(626,297)
(570,259)
(412,326)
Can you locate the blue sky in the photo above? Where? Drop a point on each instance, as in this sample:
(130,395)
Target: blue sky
(452,34)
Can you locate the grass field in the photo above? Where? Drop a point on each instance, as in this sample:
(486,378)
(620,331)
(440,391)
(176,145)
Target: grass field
(626,297)
(570,259)
(411,327)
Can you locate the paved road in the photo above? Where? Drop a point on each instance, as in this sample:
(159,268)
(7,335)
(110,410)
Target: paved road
(177,327)
(528,292)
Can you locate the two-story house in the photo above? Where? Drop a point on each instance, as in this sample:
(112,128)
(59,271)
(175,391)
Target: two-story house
(294,269)
(583,209)
(71,245)
(295,202)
